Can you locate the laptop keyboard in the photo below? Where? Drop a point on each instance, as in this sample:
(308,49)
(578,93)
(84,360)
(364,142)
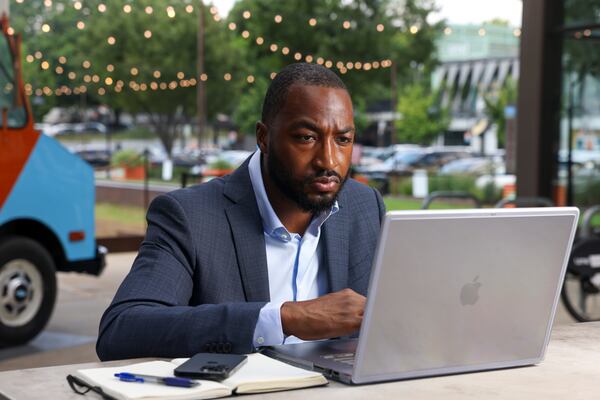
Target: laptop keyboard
(344,358)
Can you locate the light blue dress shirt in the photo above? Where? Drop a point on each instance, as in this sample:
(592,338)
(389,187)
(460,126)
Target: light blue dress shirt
(292,261)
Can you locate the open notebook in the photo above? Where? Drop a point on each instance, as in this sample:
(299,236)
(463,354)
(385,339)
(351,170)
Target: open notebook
(259,374)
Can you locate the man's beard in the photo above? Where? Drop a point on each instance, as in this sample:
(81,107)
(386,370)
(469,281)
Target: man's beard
(294,189)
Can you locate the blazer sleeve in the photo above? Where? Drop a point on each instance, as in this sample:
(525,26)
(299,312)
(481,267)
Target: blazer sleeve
(150,315)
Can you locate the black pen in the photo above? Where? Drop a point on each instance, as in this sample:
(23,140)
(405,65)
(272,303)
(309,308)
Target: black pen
(163,380)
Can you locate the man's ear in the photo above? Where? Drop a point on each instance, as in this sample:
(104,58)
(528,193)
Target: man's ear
(262,137)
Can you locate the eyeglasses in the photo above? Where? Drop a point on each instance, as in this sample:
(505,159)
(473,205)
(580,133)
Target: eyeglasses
(81,387)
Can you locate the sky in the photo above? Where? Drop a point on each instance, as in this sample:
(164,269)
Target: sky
(454,11)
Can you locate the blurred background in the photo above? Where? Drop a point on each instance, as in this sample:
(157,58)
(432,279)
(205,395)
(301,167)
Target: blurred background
(478,102)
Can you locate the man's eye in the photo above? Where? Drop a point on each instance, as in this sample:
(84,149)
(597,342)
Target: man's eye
(345,139)
(306,138)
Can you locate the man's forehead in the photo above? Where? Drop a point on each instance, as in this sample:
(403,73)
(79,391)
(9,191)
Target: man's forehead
(316,101)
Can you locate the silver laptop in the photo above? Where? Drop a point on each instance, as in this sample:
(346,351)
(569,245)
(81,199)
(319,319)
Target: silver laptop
(451,292)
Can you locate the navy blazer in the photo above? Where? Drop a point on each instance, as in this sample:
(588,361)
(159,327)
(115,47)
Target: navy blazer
(200,278)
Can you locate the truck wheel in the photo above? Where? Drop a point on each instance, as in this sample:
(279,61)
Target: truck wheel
(27,289)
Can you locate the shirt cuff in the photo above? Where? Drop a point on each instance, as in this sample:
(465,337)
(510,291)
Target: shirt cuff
(268,330)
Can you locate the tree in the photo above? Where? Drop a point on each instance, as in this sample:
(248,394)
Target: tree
(139,61)
(495,105)
(315,30)
(419,122)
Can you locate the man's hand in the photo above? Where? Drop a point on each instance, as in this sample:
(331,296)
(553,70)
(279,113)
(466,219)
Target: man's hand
(335,314)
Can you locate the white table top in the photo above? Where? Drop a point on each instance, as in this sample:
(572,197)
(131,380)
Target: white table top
(571,370)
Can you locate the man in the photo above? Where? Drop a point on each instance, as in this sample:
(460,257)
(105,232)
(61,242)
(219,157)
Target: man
(276,252)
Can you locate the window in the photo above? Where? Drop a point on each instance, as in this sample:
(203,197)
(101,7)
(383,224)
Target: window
(9,92)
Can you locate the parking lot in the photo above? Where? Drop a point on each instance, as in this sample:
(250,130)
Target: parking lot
(70,336)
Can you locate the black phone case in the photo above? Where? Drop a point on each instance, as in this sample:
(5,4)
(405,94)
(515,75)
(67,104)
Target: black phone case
(211,366)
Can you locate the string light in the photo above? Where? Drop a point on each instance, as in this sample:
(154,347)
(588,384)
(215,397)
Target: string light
(80,25)
(148,34)
(414,29)
(59,70)
(247,14)
(227,77)
(111,40)
(171,12)
(232,26)
(62,59)
(134,71)
(102,7)
(149,10)
(273,47)
(45,28)
(189,8)
(447,31)
(250,79)
(29,58)
(77,5)
(260,40)
(278,18)
(156,74)
(245,34)
(110,68)
(127,8)
(346,25)
(380,28)
(38,55)
(45,65)
(312,22)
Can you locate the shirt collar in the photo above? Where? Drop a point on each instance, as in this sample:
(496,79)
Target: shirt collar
(271,223)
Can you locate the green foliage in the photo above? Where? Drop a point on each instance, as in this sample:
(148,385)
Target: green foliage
(330,41)
(496,102)
(220,164)
(418,122)
(127,158)
(172,50)
(489,194)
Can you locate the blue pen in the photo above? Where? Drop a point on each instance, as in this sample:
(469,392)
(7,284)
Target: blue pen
(163,380)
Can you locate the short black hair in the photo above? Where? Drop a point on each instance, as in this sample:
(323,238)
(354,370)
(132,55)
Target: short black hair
(296,74)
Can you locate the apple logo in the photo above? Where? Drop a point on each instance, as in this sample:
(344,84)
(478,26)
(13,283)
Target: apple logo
(470,292)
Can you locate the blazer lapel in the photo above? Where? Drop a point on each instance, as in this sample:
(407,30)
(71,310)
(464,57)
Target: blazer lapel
(249,241)
(336,235)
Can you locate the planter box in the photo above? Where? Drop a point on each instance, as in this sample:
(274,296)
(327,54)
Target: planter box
(134,173)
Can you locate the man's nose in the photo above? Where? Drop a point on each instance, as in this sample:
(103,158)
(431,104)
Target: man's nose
(327,157)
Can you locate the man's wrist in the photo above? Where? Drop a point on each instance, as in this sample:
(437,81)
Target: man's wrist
(287,317)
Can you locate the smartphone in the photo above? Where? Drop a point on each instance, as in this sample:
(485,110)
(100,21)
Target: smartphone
(211,366)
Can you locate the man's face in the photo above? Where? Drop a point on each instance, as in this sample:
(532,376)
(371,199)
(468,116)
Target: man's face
(308,145)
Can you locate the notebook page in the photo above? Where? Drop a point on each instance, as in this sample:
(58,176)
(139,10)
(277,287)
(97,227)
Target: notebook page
(104,377)
(262,374)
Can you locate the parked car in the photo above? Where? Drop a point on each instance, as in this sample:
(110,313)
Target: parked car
(474,166)
(66,128)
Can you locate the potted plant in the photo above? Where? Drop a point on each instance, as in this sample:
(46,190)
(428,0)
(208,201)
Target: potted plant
(218,168)
(132,163)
